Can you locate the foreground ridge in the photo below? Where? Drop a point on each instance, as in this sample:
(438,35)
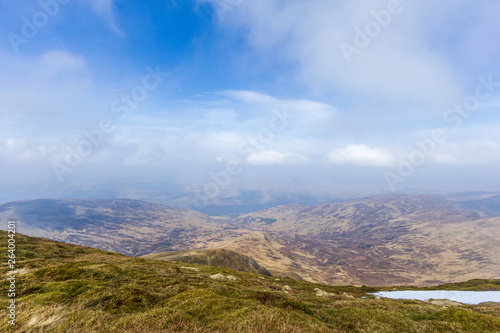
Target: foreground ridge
(70,288)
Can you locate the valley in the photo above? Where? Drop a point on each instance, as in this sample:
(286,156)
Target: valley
(421,240)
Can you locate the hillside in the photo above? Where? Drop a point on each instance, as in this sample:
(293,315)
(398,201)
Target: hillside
(489,206)
(69,288)
(422,240)
(407,240)
(387,214)
(217,258)
(127,226)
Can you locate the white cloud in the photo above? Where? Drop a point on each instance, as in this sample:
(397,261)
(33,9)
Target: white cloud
(468,153)
(49,87)
(60,60)
(273,157)
(221,116)
(251,97)
(361,155)
(105,9)
(221,142)
(17,150)
(307,116)
(398,64)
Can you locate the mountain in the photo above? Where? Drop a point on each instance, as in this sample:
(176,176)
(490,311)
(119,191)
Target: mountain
(126,226)
(248,197)
(388,240)
(68,288)
(469,196)
(217,258)
(489,206)
(394,239)
(86,189)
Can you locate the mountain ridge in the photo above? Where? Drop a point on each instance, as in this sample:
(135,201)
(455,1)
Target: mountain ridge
(385,240)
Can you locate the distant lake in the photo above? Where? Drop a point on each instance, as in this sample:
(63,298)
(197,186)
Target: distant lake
(466,297)
(220,210)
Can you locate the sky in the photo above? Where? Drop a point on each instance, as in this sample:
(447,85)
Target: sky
(386,95)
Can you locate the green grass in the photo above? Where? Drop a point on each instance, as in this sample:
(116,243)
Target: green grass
(471,285)
(68,288)
(476,284)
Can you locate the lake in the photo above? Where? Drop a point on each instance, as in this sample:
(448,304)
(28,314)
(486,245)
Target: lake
(466,297)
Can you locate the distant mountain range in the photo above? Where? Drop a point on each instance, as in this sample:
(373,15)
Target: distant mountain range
(489,205)
(127,226)
(379,241)
(237,199)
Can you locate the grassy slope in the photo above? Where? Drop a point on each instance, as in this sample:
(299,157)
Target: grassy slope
(68,288)
(216,257)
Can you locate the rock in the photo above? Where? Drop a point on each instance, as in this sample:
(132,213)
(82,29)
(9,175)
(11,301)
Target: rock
(194,269)
(22,271)
(322,293)
(218,277)
(222,277)
(347,295)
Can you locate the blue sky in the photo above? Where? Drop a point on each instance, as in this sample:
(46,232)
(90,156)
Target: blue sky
(366,84)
